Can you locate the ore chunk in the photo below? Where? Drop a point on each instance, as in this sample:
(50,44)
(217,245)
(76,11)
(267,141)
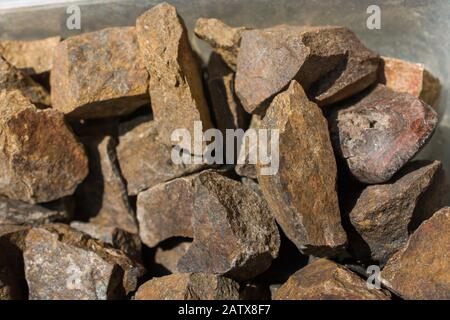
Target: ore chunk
(169,257)
(99,74)
(379,133)
(302,193)
(248,151)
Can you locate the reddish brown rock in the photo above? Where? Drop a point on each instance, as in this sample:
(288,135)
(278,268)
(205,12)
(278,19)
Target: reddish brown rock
(377,134)
(326,280)
(245,165)
(329,62)
(302,194)
(413,78)
(99,74)
(239,240)
(40,159)
(420,270)
(384,214)
(225,40)
(176,88)
(189,286)
(169,257)
(144,161)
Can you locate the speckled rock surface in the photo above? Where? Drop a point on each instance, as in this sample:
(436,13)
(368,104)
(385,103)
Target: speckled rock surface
(168,257)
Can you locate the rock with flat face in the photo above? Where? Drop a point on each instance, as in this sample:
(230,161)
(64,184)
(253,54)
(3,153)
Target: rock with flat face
(234,232)
(379,133)
(225,40)
(176,89)
(302,194)
(420,270)
(40,158)
(168,257)
(384,214)
(326,280)
(99,74)
(413,78)
(329,62)
(246,166)
(189,286)
(64,264)
(13,79)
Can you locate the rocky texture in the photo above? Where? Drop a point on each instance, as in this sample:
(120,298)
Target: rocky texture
(144,161)
(176,88)
(329,62)
(421,269)
(189,286)
(99,74)
(32,57)
(169,257)
(61,263)
(103,194)
(40,159)
(326,280)
(239,240)
(384,214)
(14,79)
(244,167)
(380,132)
(225,40)
(413,78)
(302,194)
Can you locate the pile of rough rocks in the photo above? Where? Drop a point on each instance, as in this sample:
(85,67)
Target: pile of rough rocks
(92,207)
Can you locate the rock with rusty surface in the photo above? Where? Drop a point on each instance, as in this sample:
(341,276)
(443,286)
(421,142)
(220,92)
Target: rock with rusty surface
(329,62)
(40,158)
(413,78)
(189,286)
(420,270)
(76,267)
(99,74)
(144,161)
(326,280)
(380,132)
(168,257)
(176,89)
(225,40)
(302,193)
(384,214)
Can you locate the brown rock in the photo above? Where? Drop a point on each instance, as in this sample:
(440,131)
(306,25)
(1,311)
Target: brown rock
(99,74)
(421,269)
(302,194)
(244,167)
(40,159)
(189,286)
(32,57)
(383,214)
(380,132)
(224,39)
(413,78)
(326,280)
(62,263)
(169,257)
(239,240)
(176,88)
(144,161)
(329,62)
(13,79)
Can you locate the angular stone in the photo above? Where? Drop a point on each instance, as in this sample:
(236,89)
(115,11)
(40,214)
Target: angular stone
(302,194)
(176,89)
(326,280)
(32,57)
(420,270)
(239,240)
(40,158)
(102,196)
(144,161)
(189,286)
(379,133)
(99,74)
(225,40)
(244,167)
(62,263)
(329,62)
(383,214)
(413,78)
(169,257)
(14,79)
